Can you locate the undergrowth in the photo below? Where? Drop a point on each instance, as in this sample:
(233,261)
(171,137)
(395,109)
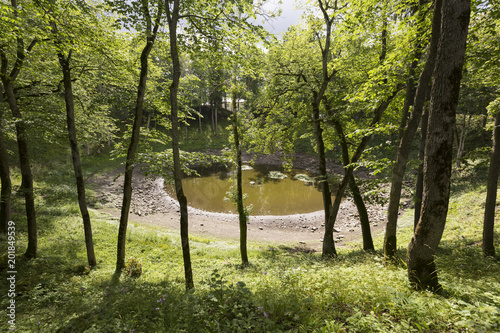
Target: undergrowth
(281,291)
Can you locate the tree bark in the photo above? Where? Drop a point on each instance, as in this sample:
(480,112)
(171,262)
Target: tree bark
(491,194)
(199,120)
(323,176)
(216,111)
(239,188)
(406,138)
(358,199)
(26,175)
(134,141)
(420,171)
(447,75)
(75,154)
(173,18)
(328,242)
(363,215)
(8,80)
(6,193)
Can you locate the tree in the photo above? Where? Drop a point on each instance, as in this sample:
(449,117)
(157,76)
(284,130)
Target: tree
(5,195)
(151,16)
(8,79)
(483,59)
(447,75)
(491,194)
(242,213)
(204,20)
(173,13)
(340,87)
(74,22)
(418,99)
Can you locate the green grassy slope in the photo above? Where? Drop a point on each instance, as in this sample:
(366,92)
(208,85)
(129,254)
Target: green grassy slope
(284,289)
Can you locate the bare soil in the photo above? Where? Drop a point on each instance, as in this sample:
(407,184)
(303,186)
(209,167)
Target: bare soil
(152,205)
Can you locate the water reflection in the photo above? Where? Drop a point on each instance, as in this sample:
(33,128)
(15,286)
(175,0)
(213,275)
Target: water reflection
(267,195)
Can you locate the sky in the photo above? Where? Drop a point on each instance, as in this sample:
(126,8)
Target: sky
(289,16)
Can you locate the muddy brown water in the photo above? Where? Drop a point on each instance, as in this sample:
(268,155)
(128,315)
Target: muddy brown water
(267,195)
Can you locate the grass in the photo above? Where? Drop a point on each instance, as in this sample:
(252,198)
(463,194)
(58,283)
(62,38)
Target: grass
(283,290)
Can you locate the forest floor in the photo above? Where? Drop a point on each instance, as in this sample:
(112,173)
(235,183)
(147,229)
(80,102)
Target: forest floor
(152,205)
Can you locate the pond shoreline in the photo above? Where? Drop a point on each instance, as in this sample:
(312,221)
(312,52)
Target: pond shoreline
(152,205)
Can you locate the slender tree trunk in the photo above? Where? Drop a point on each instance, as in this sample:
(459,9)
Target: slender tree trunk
(213,117)
(323,175)
(460,139)
(363,216)
(328,242)
(75,154)
(173,17)
(420,176)
(26,175)
(239,188)
(447,75)
(410,82)
(199,120)
(22,143)
(134,141)
(491,194)
(358,199)
(406,139)
(216,109)
(6,193)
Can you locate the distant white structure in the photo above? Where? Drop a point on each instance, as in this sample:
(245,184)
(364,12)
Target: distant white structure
(227,103)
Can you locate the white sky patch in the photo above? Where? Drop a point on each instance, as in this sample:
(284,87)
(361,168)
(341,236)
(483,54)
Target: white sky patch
(290,15)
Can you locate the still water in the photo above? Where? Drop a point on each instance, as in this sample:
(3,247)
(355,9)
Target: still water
(267,194)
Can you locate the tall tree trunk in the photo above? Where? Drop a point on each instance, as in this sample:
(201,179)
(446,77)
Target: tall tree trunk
(134,141)
(75,154)
(491,194)
(358,199)
(173,17)
(417,54)
(460,139)
(6,193)
(323,175)
(22,143)
(363,215)
(213,117)
(420,171)
(406,137)
(328,242)
(447,75)
(199,120)
(216,111)
(239,187)
(26,175)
